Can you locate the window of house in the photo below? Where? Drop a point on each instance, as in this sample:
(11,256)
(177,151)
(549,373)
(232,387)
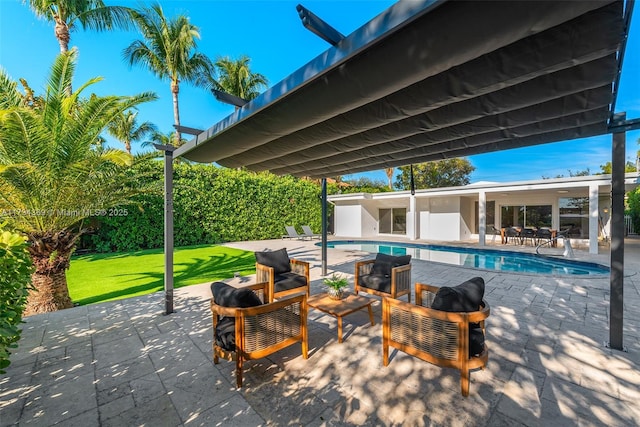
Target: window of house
(392,221)
(574,216)
(490,214)
(529,216)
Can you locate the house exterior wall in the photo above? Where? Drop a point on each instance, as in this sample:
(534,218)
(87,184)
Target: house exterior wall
(442,220)
(450,214)
(348,220)
(467,213)
(369,219)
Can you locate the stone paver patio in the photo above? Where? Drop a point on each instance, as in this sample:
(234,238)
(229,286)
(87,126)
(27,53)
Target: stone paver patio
(125,364)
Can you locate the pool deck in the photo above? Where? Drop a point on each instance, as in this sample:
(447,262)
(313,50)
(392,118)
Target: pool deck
(124,363)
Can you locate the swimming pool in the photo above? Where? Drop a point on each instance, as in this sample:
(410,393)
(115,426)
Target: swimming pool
(486,259)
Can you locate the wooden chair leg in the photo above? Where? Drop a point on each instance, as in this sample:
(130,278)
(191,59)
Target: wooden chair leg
(464,381)
(385,354)
(238,370)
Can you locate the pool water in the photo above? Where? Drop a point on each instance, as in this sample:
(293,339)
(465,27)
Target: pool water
(486,259)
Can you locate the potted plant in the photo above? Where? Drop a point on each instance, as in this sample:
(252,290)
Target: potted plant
(335,285)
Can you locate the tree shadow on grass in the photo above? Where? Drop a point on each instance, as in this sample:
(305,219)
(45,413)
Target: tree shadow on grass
(119,255)
(196,270)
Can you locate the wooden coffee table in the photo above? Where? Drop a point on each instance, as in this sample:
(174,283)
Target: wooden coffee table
(350,303)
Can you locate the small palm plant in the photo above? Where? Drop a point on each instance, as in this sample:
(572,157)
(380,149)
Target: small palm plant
(335,285)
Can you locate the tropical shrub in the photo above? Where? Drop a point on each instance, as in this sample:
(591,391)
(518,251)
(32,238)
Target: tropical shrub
(212,205)
(633,202)
(15,273)
(55,176)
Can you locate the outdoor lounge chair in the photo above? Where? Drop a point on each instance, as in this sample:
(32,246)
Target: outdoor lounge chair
(306,230)
(244,328)
(445,327)
(385,276)
(292,233)
(285,276)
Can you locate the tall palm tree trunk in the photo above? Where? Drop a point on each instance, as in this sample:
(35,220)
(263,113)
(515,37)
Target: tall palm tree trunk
(61,31)
(50,254)
(175,89)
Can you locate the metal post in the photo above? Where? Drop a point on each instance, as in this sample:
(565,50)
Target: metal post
(324,226)
(168,226)
(482,218)
(594,216)
(617,238)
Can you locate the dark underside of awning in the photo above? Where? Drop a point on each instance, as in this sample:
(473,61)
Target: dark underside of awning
(438,80)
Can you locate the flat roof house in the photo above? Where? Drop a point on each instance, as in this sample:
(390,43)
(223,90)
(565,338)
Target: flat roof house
(579,205)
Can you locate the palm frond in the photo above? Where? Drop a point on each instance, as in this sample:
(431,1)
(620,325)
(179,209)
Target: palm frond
(51,173)
(10,96)
(106,18)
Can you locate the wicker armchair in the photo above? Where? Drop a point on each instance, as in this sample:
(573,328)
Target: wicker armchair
(264,273)
(261,330)
(435,336)
(400,280)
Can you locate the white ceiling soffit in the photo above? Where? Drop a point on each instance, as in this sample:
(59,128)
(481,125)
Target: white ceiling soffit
(432,80)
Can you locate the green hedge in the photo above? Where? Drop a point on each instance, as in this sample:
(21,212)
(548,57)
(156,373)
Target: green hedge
(634,208)
(211,205)
(15,282)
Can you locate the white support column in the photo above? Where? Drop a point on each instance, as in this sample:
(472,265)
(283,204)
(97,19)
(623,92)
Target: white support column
(594,214)
(412,219)
(482,218)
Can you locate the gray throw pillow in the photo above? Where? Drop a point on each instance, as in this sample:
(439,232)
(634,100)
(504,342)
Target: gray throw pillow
(465,297)
(279,260)
(384,263)
(228,296)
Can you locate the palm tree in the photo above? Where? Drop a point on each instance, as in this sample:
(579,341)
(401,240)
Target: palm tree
(168,50)
(89,14)
(125,129)
(52,176)
(389,172)
(158,137)
(236,78)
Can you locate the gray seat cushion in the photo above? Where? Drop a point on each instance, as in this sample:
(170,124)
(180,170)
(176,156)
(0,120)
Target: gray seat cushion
(290,280)
(378,282)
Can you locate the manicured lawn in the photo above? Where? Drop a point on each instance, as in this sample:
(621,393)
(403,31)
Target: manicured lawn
(105,277)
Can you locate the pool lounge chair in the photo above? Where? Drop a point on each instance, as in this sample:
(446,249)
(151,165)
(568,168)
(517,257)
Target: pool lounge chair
(292,233)
(306,231)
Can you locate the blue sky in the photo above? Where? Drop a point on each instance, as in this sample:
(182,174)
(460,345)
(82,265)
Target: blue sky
(270,32)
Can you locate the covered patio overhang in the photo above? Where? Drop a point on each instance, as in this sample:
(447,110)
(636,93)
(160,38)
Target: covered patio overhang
(435,79)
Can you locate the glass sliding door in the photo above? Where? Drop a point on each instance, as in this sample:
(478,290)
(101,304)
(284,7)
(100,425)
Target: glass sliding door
(399,221)
(392,221)
(384,221)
